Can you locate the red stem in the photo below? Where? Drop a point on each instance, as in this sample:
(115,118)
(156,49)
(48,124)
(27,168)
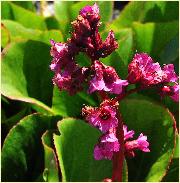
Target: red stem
(118,157)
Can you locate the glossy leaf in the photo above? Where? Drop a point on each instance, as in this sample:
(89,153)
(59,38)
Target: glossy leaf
(26,75)
(153,37)
(22,152)
(52,23)
(172,174)
(5,37)
(63,14)
(51,163)
(18,32)
(157,123)
(75,152)
(66,105)
(23,16)
(29,5)
(154,11)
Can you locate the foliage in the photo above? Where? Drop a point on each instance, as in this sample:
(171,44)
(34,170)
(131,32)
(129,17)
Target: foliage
(37,144)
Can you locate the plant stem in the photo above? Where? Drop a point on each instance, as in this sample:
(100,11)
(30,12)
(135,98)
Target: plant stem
(118,157)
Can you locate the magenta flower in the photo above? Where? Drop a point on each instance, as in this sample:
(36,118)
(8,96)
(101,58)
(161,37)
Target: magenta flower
(108,46)
(175,95)
(140,144)
(70,79)
(106,79)
(103,117)
(59,52)
(91,13)
(143,70)
(108,144)
(172,91)
(169,73)
(127,134)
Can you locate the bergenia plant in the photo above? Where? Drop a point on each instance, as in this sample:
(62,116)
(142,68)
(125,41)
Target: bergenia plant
(117,142)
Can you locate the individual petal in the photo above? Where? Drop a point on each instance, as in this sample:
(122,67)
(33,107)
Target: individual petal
(143,144)
(58,49)
(175,95)
(140,144)
(96,84)
(152,75)
(127,134)
(172,91)
(118,86)
(101,153)
(169,73)
(108,144)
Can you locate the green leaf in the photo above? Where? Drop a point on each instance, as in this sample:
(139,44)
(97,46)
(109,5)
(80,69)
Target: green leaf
(26,4)
(5,37)
(26,75)
(17,32)
(75,152)
(6,11)
(51,163)
(156,11)
(153,37)
(25,17)
(22,152)
(170,53)
(63,14)
(17,117)
(66,105)
(52,23)
(157,123)
(172,174)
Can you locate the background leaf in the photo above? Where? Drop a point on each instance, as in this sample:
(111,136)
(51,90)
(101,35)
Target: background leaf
(23,16)
(75,152)
(22,152)
(50,173)
(26,4)
(17,32)
(154,11)
(25,73)
(65,105)
(152,38)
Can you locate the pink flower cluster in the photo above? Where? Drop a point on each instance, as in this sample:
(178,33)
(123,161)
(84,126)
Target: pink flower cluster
(143,70)
(104,118)
(71,77)
(85,38)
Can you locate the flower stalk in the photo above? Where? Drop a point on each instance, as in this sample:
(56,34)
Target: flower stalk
(118,157)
